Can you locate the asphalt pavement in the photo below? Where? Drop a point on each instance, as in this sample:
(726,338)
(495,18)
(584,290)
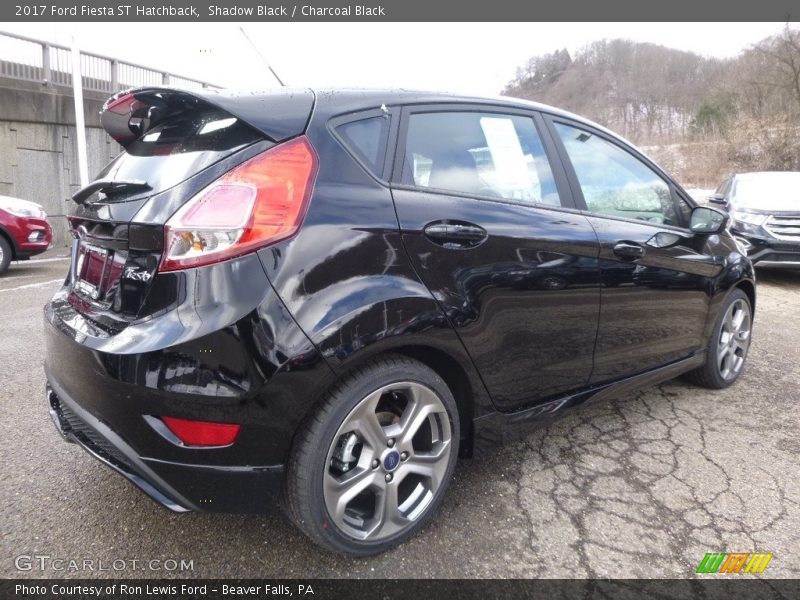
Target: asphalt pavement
(640,486)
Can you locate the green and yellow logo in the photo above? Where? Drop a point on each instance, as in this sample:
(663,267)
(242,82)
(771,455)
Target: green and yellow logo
(734,562)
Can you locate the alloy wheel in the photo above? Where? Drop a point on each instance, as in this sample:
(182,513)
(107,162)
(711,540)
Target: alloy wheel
(387,461)
(734,339)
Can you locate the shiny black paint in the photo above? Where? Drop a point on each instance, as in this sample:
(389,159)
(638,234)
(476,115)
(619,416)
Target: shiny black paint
(524,303)
(346,278)
(500,427)
(230,353)
(658,280)
(653,309)
(510,322)
(134,230)
(217,351)
(279,114)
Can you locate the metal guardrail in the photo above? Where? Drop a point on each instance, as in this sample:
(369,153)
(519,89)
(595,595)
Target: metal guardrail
(51,64)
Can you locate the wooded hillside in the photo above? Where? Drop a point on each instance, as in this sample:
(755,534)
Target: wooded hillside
(702,118)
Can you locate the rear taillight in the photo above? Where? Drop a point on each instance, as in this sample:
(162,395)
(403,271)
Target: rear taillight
(202,433)
(257,203)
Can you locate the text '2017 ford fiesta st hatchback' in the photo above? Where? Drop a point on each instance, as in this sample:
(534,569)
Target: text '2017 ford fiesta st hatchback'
(318,300)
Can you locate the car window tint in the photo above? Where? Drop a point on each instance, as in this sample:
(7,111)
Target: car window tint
(614,182)
(367,139)
(482,154)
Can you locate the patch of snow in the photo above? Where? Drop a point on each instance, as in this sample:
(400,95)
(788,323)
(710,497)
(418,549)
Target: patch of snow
(699,195)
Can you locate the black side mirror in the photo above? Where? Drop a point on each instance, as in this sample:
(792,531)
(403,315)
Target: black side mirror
(708,220)
(718,199)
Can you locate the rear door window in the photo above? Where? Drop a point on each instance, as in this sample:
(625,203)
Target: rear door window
(479,154)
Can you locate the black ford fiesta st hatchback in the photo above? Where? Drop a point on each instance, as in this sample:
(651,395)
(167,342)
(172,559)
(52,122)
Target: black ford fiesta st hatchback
(320,299)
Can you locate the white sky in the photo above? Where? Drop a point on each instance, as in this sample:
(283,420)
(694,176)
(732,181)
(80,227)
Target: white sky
(474,58)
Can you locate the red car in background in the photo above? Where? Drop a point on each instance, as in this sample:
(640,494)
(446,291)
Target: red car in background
(24,230)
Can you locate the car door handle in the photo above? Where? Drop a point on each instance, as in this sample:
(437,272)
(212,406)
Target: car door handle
(629,250)
(455,234)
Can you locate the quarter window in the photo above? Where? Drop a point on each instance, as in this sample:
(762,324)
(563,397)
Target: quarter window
(481,154)
(614,182)
(367,139)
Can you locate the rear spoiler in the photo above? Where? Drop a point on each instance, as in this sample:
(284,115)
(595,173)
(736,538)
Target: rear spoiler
(279,114)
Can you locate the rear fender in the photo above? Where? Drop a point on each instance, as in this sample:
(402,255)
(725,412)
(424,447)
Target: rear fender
(361,318)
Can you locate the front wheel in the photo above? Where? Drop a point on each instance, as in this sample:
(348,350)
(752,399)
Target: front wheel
(372,464)
(730,341)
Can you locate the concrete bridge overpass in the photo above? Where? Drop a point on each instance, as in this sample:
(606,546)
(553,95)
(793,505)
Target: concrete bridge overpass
(38,149)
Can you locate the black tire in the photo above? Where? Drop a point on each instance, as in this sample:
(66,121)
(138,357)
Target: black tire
(5,252)
(709,375)
(309,467)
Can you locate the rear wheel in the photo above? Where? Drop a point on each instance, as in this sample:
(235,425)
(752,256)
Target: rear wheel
(730,341)
(372,465)
(5,254)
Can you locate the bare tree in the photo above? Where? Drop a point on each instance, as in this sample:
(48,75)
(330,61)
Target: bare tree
(709,116)
(766,132)
(782,54)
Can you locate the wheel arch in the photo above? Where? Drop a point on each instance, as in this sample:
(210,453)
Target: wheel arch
(461,379)
(457,380)
(11,241)
(374,317)
(744,283)
(749,288)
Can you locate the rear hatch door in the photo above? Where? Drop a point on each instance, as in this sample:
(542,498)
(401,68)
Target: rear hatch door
(174,144)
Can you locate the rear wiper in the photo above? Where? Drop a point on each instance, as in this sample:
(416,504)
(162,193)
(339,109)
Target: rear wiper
(108,185)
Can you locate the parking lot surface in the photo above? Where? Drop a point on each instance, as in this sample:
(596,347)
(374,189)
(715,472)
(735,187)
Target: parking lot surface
(640,486)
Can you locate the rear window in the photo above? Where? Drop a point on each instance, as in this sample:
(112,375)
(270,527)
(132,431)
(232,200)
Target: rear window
(175,150)
(367,139)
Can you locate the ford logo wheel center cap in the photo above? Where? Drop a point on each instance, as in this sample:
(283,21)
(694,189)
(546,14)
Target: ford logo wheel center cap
(391,460)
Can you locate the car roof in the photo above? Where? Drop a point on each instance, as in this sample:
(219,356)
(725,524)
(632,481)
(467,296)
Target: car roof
(281,111)
(361,99)
(335,100)
(372,96)
(252,105)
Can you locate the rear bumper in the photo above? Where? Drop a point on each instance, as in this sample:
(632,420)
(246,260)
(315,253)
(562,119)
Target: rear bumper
(260,372)
(76,425)
(215,356)
(179,487)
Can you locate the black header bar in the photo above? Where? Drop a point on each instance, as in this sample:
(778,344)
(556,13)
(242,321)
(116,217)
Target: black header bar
(397,10)
(710,588)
